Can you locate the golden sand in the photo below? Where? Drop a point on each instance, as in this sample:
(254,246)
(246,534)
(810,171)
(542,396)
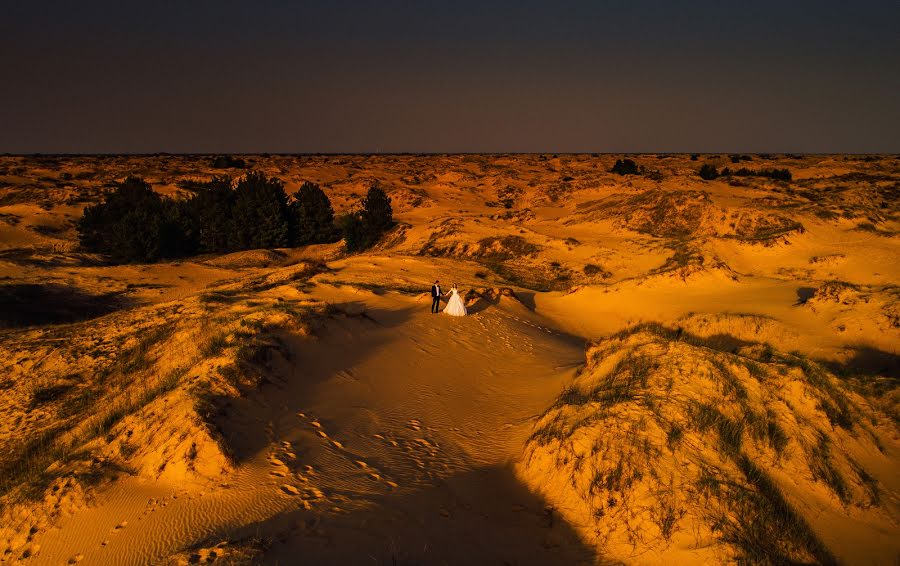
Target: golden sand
(655,369)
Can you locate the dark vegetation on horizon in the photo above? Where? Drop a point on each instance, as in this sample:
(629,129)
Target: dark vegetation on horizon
(708,172)
(629,167)
(134,223)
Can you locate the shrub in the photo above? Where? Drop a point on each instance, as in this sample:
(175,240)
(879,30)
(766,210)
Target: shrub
(312,216)
(708,172)
(591,270)
(625,167)
(228,162)
(357,237)
(777,174)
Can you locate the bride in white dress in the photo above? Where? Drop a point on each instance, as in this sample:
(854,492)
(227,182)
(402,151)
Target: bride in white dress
(455,306)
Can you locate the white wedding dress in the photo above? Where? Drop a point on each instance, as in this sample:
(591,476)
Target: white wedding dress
(455,306)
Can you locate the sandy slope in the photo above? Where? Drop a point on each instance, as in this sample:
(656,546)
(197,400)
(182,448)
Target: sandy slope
(394,434)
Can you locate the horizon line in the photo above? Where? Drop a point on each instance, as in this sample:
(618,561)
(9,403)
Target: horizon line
(431,153)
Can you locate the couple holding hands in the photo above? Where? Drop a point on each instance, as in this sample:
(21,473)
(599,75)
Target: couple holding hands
(455,305)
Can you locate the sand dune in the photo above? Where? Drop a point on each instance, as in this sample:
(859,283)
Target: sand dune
(655,368)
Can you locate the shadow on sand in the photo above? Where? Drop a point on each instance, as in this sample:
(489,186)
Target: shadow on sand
(483,516)
(288,377)
(868,361)
(34,305)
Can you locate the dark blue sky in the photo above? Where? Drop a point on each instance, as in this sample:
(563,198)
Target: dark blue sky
(454,76)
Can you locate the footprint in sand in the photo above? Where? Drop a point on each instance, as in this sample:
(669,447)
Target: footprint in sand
(322,434)
(152,505)
(280,468)
(120,526)
(76,559)
(375,474)
(307,495)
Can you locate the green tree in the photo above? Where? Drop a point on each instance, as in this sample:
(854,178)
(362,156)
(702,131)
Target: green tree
(213,210)
(183,236)
(377,212)
(312,216)
(130,224)
(260,217)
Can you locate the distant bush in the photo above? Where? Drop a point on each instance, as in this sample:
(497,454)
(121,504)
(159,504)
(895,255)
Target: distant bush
(777,174)
(625,167)
(735,158)
(708,172)
(694,157)
(228,162)
(591,270)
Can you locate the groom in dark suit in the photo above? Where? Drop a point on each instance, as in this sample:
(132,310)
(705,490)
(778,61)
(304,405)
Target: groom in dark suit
(436,297)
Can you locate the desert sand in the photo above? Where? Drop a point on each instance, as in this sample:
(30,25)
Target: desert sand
(655,368)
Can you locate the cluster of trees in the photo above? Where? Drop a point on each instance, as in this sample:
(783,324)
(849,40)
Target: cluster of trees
(134,223)
(709,172)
